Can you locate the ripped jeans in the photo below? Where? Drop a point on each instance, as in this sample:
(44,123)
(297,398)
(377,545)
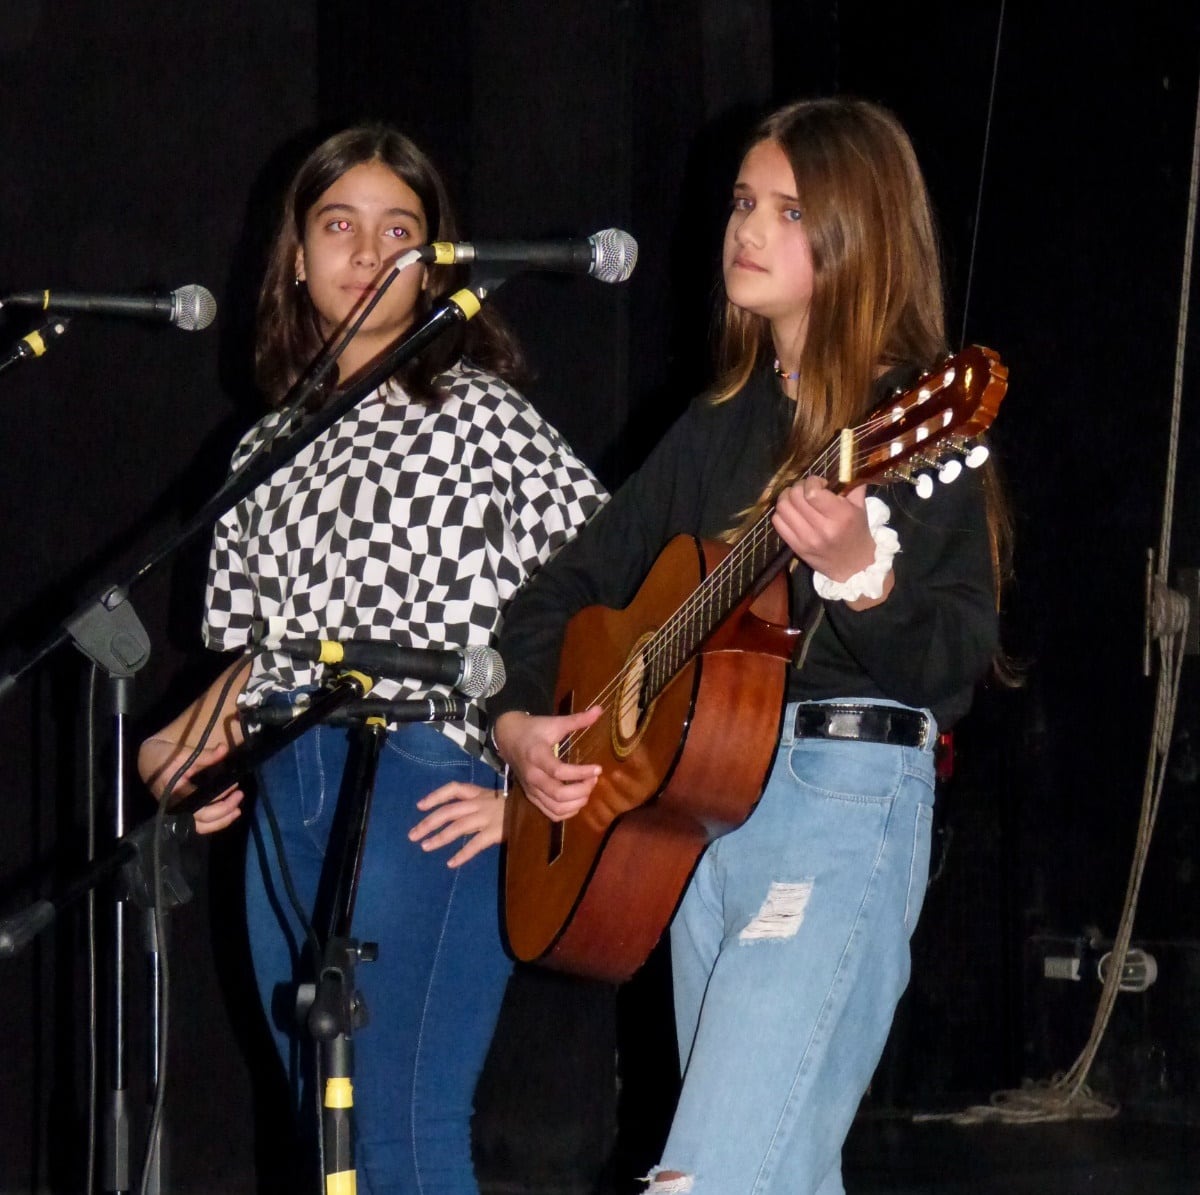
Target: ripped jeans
(790,951)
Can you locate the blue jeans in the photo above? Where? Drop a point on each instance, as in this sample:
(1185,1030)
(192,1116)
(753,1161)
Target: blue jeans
(433,995)
(790,951)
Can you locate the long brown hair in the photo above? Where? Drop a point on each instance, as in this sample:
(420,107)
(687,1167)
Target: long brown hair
(877,298)
(289,336)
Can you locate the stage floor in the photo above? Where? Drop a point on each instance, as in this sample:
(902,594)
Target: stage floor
(1112,1157)
(891,1156)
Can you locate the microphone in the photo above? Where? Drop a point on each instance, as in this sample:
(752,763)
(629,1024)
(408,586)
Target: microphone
(190,307)
(608,255)
(434,708)
(35,343)
(473,671)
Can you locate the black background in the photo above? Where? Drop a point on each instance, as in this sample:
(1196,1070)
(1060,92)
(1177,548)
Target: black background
(144,145)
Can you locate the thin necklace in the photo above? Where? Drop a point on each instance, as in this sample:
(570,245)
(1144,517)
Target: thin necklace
(780,372)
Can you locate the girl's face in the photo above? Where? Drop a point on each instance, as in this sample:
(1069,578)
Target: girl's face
(352,235)
(767,258)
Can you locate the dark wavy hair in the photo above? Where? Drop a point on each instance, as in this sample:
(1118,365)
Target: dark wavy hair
(289,336)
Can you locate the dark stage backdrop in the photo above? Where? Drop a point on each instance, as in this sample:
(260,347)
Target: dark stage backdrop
(145,145)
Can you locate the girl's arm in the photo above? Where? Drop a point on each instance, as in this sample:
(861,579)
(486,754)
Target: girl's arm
(161,754)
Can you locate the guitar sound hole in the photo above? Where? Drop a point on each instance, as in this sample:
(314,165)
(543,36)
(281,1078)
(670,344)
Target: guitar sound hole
(554,843)
(632,701)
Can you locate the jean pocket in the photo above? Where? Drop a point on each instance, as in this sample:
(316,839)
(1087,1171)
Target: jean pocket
(311,774)
(869,773)
(424,746)
(918,872)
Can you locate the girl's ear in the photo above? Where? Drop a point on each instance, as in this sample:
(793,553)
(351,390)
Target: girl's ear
(300,274)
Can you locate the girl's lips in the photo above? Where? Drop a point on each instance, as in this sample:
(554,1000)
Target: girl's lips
(743,263)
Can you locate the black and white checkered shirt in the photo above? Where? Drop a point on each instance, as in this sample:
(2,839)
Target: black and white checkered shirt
(397,522)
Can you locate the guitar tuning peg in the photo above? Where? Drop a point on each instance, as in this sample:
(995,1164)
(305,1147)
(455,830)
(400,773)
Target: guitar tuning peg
(924,485)
(976,456)
(949,471)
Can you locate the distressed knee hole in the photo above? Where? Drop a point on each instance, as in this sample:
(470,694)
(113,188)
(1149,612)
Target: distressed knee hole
(782,913)
(667,1182)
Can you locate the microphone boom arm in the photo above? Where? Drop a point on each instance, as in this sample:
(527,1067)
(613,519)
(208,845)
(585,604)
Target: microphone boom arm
(458,308)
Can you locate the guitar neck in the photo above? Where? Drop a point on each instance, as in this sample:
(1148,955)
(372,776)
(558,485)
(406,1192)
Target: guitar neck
(754,560)
(938,417)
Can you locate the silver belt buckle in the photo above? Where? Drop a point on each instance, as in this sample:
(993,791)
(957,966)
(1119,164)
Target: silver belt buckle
(843,724)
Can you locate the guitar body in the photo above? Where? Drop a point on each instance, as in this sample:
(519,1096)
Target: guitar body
(691,678)
(592,895)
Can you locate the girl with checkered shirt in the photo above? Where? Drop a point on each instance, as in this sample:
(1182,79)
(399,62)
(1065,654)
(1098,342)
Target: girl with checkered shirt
(416,516)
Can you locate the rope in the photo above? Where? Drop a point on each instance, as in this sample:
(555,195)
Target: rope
(987,137)
(1068,1097)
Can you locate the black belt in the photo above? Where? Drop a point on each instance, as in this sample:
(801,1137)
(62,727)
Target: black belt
(863,723)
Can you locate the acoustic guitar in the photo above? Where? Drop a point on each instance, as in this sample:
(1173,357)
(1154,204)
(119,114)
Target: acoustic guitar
(691,676)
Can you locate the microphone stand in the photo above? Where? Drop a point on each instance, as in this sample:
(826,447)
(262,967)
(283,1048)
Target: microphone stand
(35,343)
(128,854)
(460,307)
(331,1007)
(107,629)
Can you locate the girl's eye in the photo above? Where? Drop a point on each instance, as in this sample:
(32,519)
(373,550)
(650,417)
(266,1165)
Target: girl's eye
(399,232)
(742,203)
(793,215)
(338,225)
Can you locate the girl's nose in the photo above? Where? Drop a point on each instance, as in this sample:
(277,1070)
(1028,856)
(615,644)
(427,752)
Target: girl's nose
(748,230)
(366,253)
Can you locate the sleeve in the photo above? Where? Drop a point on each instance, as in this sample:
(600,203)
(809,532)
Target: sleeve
(552,493)
(937,631)
(229,596)
(605,563)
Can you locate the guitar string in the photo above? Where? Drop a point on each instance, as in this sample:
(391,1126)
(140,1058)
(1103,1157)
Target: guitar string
(663,639)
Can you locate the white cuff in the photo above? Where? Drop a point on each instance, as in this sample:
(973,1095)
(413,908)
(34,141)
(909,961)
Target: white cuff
(868,582)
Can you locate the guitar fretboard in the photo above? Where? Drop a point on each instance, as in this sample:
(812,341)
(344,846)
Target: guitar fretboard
(683,634)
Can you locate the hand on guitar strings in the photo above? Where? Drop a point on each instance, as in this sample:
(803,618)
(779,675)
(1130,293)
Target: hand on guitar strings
(529,745)
(460,811)
(828,531)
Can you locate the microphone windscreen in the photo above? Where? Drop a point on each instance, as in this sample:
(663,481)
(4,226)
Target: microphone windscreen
(195,308)
(616,254)
(482,672)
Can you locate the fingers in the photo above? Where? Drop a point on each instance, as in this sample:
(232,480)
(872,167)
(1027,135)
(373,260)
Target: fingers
(159,760)
(562,801)
(455,791)
(828,531)
(556,786)
(459,811)
(219,814)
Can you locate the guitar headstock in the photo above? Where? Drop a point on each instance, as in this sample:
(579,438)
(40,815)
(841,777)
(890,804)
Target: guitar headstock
(933,423)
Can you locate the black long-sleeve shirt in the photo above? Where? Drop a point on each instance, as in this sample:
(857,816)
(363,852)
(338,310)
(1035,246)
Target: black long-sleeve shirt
(926,645)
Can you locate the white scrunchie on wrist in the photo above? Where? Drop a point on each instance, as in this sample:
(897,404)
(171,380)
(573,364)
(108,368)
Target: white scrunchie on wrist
(868,582)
